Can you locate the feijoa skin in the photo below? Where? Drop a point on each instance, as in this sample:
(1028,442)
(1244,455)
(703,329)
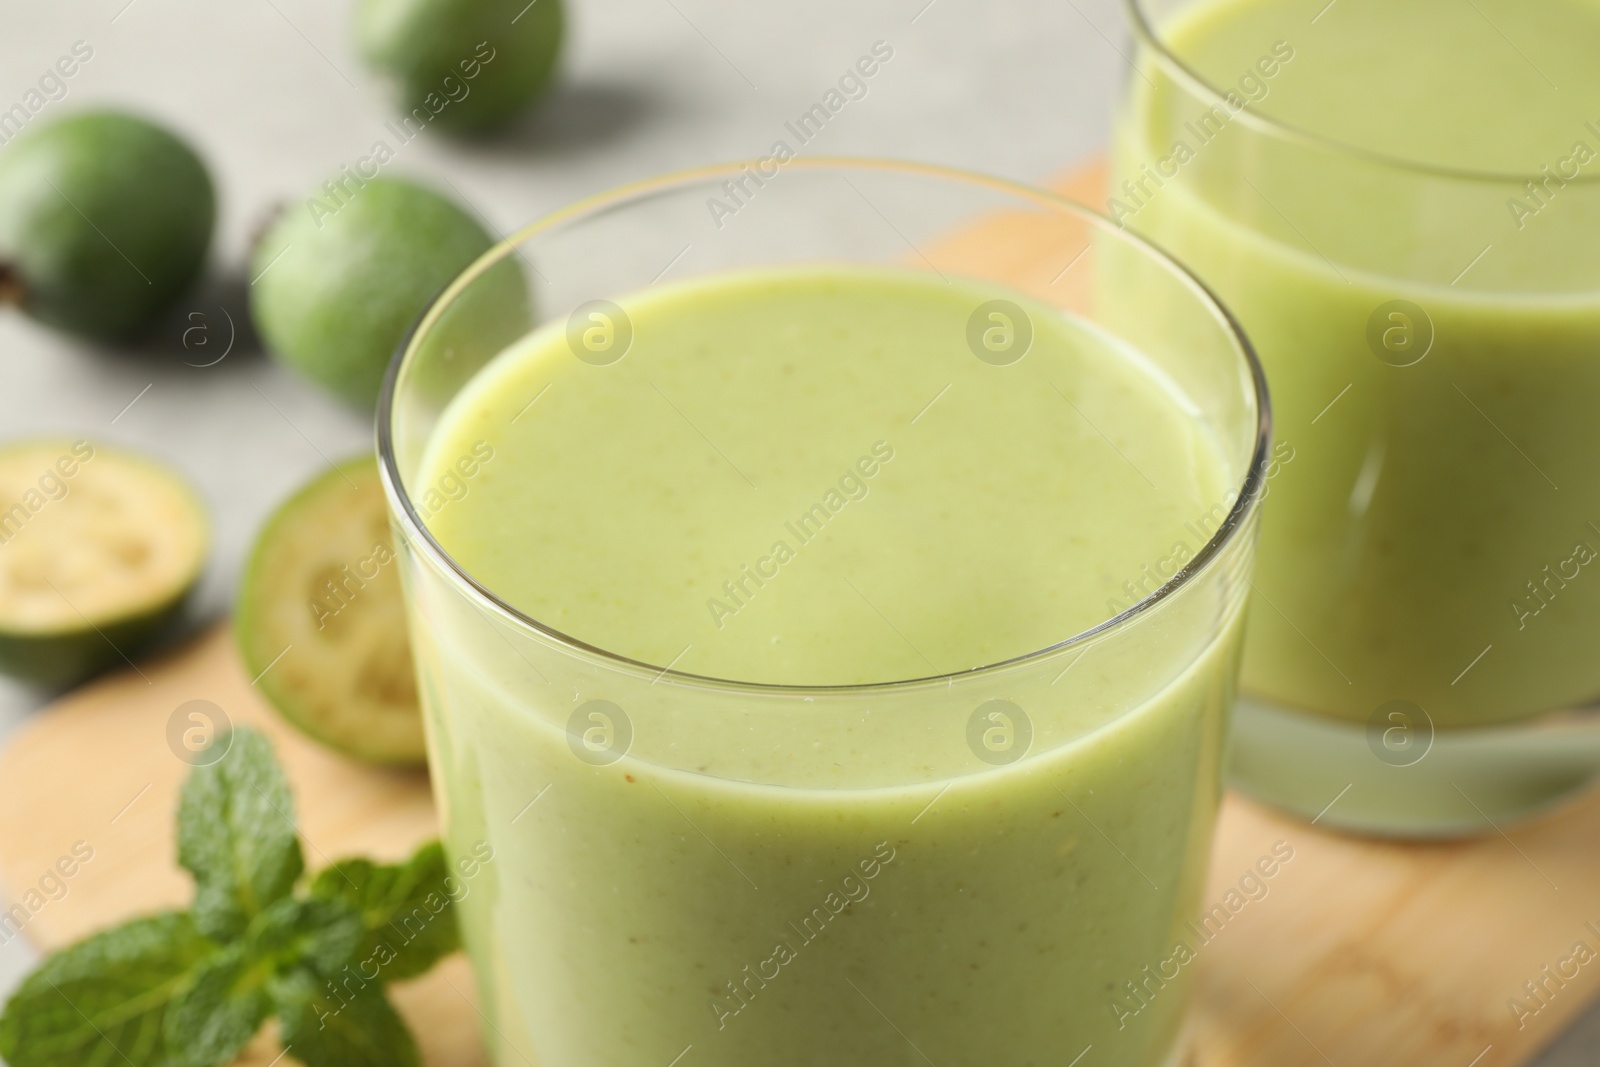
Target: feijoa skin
(99,550)
(341,279)
(105,221)
(466,66)
(321,624)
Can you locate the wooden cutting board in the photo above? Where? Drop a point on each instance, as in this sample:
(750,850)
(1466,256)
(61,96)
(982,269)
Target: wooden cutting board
(1360,953)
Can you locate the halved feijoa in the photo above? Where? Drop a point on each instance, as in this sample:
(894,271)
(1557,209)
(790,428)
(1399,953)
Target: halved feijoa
(321,622)
(98,550)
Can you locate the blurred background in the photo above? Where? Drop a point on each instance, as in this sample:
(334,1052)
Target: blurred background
(273,95)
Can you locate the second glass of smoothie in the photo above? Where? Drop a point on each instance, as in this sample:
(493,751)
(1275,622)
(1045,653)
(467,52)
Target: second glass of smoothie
(1401,201)
(826,580)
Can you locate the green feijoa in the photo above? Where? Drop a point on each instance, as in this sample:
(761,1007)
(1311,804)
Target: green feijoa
(99,549)
(105,219)
(321,622)
(341,280)
(463,65)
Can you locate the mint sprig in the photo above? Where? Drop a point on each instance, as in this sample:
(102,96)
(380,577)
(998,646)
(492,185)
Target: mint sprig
(107,993)
(405,909)
(364,1032)
(235,835)
(191,988)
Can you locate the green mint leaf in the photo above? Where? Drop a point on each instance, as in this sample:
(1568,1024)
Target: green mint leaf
(406,908)
(294,946)
(318,936)
(237,837)
(220,1011)
(102,1001)
(357,1027)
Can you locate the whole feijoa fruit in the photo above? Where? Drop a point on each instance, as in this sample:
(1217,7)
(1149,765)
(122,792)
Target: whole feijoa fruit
(340,280)
(105,219)
(465,65)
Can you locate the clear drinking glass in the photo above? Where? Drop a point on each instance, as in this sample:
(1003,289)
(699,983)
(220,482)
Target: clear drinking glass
(990,866)
(1420,658)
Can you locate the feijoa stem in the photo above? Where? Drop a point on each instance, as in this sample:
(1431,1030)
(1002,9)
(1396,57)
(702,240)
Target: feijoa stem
(264,222)
(13,291)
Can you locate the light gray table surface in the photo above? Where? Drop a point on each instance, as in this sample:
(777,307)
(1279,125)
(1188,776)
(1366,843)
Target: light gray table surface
(272,94)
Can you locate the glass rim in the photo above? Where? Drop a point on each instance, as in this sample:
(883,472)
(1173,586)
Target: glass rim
(417,534)
(1197,84)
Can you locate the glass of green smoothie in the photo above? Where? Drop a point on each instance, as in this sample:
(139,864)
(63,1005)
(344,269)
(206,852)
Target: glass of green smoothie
(1401,202)
(826,582)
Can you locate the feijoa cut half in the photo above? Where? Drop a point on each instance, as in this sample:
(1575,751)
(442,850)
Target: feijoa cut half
(99,549)
(105,220)
(320,622)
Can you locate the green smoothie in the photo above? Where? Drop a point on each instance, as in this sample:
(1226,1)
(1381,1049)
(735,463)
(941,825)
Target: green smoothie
(807,477)
(1429,335)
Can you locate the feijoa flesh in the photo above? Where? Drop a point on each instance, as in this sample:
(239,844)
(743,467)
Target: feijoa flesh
(99,549)
(320,622)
